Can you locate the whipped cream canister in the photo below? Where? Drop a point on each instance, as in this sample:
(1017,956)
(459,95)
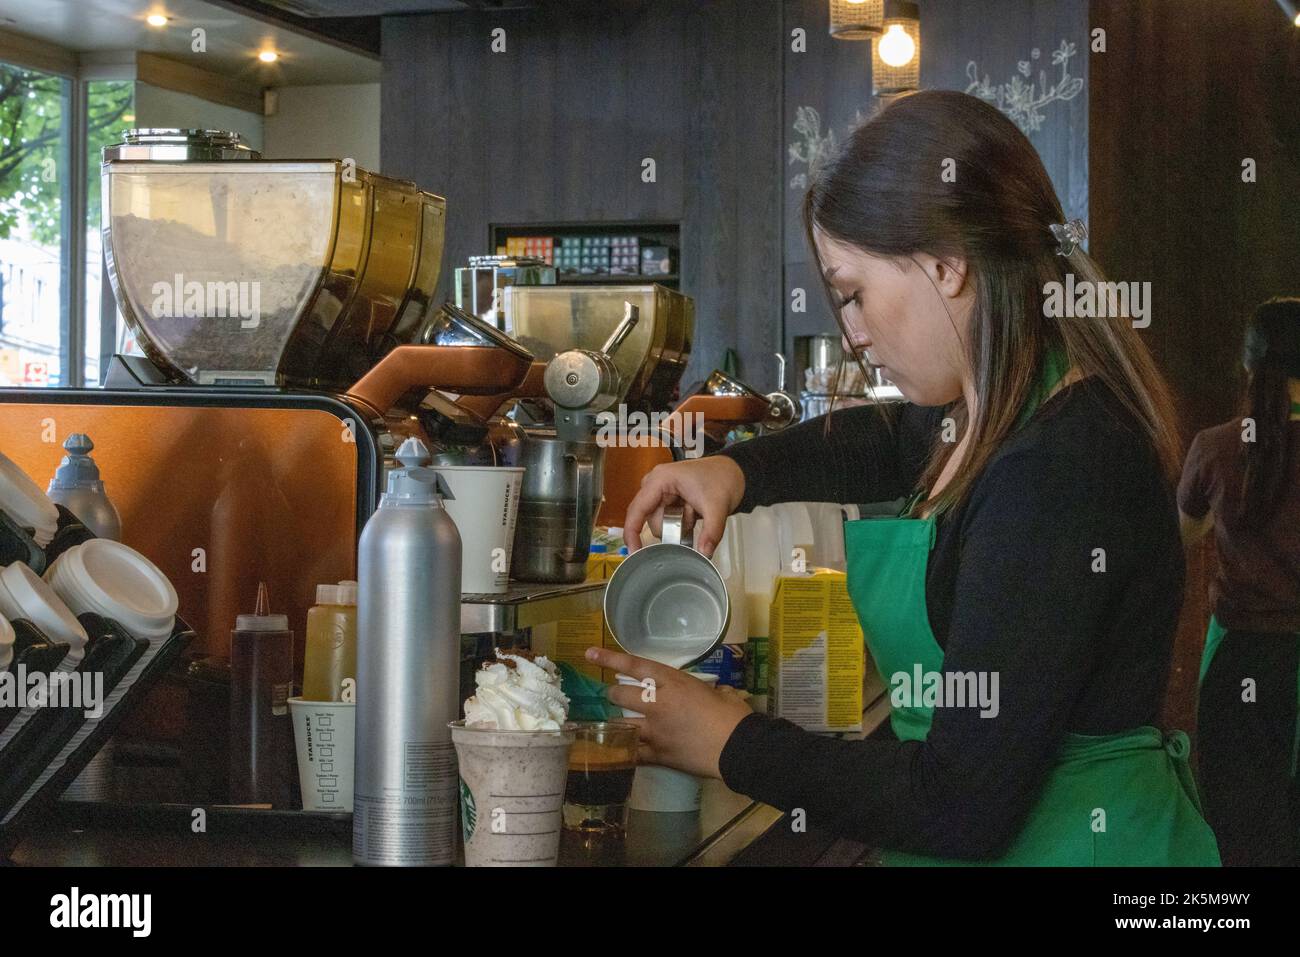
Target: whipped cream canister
(408,672)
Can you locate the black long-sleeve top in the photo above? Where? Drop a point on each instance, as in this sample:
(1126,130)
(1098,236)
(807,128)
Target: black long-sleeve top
(1014,586)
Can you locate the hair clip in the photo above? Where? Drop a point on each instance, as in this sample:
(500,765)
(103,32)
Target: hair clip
(1069,235)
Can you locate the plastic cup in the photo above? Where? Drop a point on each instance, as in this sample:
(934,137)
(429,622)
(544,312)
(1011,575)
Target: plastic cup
(324,733)
(484,505)
(511,794)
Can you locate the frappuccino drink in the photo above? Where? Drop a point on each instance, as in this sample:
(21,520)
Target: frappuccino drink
(513,753)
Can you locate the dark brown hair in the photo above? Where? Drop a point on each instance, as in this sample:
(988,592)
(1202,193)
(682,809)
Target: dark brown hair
(884,193)
(1271,355)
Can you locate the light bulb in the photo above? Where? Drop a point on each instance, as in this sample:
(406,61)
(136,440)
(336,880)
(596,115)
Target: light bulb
(1297,19)
(896,47)
(156,20)
(268,56)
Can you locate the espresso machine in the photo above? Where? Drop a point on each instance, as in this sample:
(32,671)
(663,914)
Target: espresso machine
(290,344)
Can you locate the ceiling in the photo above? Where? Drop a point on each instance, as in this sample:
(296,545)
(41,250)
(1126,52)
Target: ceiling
(233,38)
(336,8)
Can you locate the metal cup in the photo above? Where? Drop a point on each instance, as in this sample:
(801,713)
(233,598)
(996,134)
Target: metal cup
(667,602)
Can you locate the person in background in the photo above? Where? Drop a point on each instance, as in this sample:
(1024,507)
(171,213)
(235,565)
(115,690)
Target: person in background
(1242,479)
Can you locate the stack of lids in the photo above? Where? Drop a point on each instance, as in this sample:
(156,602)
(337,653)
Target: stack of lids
(6,643)
(23,594)
(24,502)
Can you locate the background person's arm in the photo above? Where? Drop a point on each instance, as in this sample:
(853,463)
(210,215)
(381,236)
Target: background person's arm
(1194,515)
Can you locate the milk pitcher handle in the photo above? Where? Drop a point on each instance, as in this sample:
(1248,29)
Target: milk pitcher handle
(584,519)
(672,526)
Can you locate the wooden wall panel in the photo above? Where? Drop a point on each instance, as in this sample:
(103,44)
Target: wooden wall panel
(1184,92)
(556,128)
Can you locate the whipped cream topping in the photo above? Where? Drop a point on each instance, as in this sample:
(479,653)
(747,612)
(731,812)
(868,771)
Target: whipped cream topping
(517,694)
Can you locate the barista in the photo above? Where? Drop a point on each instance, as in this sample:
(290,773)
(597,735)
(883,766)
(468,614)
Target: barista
(1039,540)
(1242,479)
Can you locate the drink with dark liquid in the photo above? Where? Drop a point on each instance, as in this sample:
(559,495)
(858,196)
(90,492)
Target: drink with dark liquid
(601,765)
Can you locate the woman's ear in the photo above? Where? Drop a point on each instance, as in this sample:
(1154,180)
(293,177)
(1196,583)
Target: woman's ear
(948,275)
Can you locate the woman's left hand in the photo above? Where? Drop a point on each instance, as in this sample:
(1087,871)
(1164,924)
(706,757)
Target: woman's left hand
(686,723)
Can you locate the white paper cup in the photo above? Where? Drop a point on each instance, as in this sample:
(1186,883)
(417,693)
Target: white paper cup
(484,505)
(656,788)
(324,733)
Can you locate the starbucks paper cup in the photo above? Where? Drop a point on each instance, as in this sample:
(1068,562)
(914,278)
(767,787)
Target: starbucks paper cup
(484,505)
(324,733)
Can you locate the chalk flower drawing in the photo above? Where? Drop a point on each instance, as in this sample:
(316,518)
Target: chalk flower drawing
(1023,99)
(812,148)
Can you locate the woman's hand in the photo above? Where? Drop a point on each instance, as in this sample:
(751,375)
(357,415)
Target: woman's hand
(686,721)
(709,489)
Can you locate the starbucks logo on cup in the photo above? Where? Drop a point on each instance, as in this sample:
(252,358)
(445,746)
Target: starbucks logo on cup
(468,812)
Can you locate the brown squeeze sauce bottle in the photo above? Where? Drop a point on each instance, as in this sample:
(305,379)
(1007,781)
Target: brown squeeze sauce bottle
(261,681)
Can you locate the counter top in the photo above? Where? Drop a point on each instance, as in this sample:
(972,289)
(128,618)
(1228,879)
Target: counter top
(161,836)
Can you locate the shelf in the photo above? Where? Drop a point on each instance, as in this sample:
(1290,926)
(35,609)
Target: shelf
(526,605)
(670,279)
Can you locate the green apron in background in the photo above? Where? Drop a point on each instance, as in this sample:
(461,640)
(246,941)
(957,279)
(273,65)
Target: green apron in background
(1123,799)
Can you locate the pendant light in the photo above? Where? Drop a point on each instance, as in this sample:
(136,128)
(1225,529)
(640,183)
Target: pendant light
(896,53)
(856,19)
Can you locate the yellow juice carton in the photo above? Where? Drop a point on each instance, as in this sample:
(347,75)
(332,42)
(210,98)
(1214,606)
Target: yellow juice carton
(816,656)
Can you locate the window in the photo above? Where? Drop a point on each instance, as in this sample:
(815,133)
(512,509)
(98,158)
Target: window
(109,114)
(47,338)
(34,135)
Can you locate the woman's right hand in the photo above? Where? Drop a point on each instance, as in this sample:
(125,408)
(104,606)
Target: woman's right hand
(707,489)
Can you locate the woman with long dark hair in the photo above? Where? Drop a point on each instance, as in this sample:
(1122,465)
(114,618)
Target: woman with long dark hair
(1242,479)
(1039,541)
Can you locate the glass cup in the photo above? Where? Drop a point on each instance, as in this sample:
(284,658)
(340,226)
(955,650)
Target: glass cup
(602,764)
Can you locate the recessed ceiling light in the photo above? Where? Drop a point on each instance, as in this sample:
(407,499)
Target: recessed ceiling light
(156,20)
(268,56)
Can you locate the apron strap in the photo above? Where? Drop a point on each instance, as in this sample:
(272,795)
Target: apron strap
(1179,748)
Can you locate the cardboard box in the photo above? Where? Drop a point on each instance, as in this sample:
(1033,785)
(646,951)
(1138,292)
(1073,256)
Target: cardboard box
(816,655)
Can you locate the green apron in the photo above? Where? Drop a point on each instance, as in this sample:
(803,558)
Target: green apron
(1114,800)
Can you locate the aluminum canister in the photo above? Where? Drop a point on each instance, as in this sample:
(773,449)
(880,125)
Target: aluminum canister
(408,672)
(667,602)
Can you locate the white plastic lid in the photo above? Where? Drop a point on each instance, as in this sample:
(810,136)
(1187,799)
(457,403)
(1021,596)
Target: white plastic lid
(36,601)
(344,593)
(6,643)
(117,582)
(24,502)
